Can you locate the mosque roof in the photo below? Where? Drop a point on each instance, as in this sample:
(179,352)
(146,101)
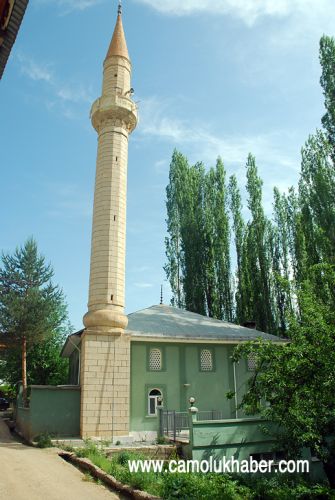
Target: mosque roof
(166,322)
(118,45)
(170,324)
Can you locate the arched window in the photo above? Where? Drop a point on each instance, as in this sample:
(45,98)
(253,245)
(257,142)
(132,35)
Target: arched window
(155,360)
(206,360)
(154,399)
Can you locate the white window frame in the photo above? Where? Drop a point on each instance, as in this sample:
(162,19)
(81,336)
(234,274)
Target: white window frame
(157,398)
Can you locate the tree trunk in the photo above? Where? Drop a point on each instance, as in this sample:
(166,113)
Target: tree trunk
(24,371)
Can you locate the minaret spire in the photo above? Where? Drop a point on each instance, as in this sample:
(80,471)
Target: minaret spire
(118,45)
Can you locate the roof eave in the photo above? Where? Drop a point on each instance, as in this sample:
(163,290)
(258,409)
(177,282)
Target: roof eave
(140,337)
(71,343)
(11,32)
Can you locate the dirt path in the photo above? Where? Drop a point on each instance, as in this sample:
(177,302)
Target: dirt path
(31,474)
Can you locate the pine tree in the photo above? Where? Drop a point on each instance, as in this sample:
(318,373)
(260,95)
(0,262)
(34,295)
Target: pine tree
(32,309)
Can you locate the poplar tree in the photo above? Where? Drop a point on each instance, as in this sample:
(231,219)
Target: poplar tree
(236,207)
(259,267)
(219,298)
(198,242)
(222,244)
(192,239)
(317,199)
(173,245)
(327,60)
(281,274)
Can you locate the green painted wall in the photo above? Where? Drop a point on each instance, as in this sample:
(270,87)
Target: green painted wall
(238,438)
(54,410)
(182,378)
(229,438)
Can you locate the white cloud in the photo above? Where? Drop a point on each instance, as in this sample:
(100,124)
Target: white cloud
(277,153)
(141,269)
(74,94)
(249,11)
(143,285)
(206,146)
(33,70)
(61,93)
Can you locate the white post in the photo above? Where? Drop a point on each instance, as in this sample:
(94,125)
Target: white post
(235,389)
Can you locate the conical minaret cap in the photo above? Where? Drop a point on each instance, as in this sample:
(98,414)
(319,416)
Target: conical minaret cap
(118,45)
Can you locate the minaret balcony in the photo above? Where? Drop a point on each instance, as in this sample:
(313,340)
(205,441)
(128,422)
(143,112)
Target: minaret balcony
(108,109)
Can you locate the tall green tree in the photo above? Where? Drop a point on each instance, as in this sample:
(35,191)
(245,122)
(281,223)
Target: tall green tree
(327,60)
(317,199)
(281,262)
(217,265)
(32,310)
(192,237)
(198,242)
(175,258)
(236,207)
(257,243)
(222,243)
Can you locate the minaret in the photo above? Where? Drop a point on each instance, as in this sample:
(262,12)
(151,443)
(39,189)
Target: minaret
(105,356)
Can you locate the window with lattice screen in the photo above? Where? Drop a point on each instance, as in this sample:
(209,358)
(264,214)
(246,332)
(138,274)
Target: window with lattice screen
(155,359)
(252,361)
(206,360)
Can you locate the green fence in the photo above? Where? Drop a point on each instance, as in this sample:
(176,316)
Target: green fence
(52,410)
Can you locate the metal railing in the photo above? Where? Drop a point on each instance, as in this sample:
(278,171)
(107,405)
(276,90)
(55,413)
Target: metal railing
(211,415)
(172,423)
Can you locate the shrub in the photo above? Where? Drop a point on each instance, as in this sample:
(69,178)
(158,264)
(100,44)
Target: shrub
(162,440)
(285,487)
(205,486)
(43,441)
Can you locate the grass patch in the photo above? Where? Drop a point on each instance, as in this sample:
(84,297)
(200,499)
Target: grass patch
(196,486)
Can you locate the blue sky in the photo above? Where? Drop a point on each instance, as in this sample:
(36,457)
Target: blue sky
(212,77)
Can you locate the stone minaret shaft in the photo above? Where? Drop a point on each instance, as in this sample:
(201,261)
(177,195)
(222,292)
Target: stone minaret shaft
(105,359)
(114,117)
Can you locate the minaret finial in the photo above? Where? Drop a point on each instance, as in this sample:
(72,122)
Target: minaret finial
(161,303)
(119,10)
